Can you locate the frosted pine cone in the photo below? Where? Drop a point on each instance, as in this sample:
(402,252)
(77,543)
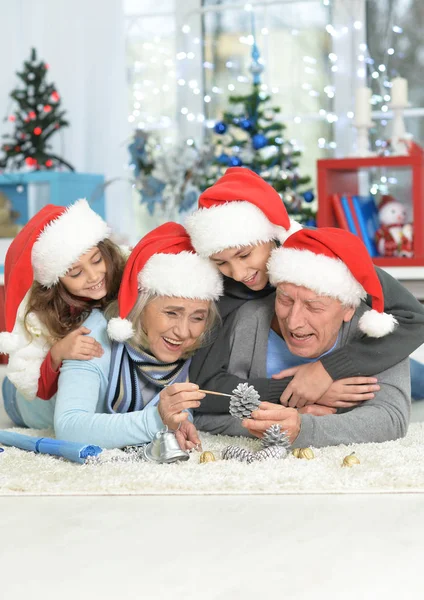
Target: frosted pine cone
(273,436)
(275,442)
(244,400)
(270,452)
(237,453)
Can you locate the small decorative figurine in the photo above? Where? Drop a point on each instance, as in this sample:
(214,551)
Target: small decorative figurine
(395,235)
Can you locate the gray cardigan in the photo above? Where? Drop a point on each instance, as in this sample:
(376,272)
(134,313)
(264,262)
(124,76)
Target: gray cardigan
(386,417)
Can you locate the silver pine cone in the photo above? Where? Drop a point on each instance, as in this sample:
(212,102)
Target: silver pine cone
(237,453)
(270,452)
(273,436)
(243,401)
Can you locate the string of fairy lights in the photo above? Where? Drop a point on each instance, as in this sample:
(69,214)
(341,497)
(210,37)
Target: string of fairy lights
(158,57)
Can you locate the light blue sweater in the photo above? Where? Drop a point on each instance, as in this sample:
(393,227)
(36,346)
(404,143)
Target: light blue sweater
(78,411)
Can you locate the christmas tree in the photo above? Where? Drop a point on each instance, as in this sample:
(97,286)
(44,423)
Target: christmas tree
(250,135)
(37,117)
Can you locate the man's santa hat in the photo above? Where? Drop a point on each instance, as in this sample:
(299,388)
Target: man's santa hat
(333,262)
(240,209)
(43,251)
(164,263)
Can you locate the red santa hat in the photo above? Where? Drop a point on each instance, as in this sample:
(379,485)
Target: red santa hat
(240,209)
(44,250)
(164,263)
(334,263)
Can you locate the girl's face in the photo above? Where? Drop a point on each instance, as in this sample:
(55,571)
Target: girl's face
(246,264)
(173,325)
(87,277)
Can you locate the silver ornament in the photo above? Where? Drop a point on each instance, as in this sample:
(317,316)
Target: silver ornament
(164,448)
(243,401)
(275,442)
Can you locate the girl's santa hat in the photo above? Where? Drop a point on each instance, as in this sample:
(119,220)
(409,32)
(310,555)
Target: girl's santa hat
(334,263)
(164,263)
(43,250)
(240,209)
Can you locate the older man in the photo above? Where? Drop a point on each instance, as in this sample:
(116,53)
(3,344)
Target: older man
(321,277)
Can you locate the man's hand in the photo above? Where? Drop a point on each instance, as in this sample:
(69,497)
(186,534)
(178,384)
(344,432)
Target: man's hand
(269,414)
(309,383)
(175,399)
(187,436)
(77,346)
(349,392)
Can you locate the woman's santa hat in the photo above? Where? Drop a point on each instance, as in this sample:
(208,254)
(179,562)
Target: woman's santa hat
(164,263)
(333,262)
(44,250)
(240,209)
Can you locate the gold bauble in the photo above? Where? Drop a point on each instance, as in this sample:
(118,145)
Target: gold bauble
(304,453)
(207,457)
(351,460)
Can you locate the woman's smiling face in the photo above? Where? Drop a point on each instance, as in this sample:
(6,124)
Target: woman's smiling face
(247,264)
(173,325)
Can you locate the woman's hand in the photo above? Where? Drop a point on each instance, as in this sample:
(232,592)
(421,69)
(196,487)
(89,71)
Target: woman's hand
(309,383)
(349,392)
(270,414)
(187,436)
(77,346)
(175,399)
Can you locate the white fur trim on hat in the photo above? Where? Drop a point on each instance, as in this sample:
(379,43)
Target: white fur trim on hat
(229,225)
(64,240)
(326,276)
(376,324)
(282,234)
(120,330)
(183,275)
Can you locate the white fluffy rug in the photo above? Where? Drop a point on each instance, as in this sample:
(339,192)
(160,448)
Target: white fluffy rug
(390,467)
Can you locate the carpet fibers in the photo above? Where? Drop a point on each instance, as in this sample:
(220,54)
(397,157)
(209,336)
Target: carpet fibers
(389,467)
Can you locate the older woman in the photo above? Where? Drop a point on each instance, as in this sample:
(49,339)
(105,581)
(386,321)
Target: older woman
(140,383)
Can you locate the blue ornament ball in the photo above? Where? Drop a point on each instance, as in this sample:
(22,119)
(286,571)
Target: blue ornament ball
(309,196)
(311,223)
(259,141)
(223,159)
(246,124)
(220,127)
(235,161)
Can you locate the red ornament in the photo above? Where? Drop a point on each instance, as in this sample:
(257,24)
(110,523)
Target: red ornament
(32,115)
(46,66)
(22,136)
(47,108)
(17,148)
(12,118)
(38,130)
(30,161)
(49,163)
(6,148)
(55,97)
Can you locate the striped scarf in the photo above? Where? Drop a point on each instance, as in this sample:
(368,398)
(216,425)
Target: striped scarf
(123,392)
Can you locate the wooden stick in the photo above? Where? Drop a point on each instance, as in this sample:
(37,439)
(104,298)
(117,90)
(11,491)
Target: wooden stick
(215,393)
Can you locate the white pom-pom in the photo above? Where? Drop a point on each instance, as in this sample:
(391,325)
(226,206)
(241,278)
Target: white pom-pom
(120,330)
(9,342)
(376,324)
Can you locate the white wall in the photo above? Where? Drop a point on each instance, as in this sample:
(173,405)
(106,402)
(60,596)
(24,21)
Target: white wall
(83,42)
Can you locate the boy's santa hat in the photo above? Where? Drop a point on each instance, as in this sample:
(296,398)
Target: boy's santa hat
(334,263)
(240,209)
(164,263)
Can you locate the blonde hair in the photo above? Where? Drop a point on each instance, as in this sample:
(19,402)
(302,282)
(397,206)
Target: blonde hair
(139,339)
(62,312)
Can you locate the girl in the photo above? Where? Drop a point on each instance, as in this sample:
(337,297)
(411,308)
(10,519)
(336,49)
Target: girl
(240,220)
(139,384)
(58,268)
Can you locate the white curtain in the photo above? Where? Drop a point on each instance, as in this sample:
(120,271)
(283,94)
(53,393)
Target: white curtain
(83,42)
